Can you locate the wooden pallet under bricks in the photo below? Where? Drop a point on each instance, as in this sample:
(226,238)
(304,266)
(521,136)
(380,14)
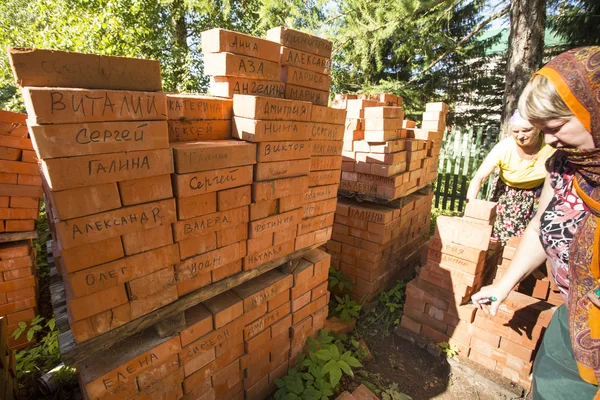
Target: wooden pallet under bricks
(169,217)
(461,258)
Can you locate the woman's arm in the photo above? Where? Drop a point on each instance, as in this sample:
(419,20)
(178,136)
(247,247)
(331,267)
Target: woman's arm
(486,168)
(529,255)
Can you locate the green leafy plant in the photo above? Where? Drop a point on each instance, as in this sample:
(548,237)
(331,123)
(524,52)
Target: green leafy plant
(393,392)
(346,308)
(338,281)
(385,314)
(448,349)
(318,372)
(43,356)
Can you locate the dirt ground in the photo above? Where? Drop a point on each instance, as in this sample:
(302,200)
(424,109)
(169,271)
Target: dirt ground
(422,375)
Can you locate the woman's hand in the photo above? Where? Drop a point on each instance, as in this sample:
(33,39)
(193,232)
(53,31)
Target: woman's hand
(593,298)
(487,292)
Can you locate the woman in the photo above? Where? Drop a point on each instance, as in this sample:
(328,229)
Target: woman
(521,160)
(563,100)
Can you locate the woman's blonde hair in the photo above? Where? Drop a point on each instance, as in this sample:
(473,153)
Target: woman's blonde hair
(540,101)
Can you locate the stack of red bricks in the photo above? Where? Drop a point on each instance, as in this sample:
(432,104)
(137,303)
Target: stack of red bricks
(280,130)
(106,168)
(461,259)
(306,64)
(371,242)
(20,183)
(234,346)
(326,135)
(241,64)
(457,266)
(539,284)
(432,131)
(9,387)
(212,185)
(194,117)
(18,287)
(379,159)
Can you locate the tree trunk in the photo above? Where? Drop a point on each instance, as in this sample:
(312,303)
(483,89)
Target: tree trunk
(525,51)
(180,48)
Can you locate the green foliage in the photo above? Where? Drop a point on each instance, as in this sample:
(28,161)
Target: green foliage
(385,315)
(346,308)
(164,30)
(576,21)
(43,356)
(448,349)
(318,372)
(392,392)
(393,46)
(338,281)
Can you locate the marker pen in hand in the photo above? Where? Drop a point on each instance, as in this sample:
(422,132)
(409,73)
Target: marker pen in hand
(487,300)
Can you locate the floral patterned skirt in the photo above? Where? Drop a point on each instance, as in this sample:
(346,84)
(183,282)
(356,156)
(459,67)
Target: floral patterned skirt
(516,207)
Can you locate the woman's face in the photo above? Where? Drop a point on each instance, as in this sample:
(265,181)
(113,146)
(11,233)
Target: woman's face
(524,133)
(566,133)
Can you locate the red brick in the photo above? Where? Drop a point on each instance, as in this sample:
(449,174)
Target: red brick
(144,190)
(263,288)
(225,308)
(225,86)
(410,324)
(148,239)
(94,228)
(73,172)
(305,78)
(195,130)
(146,305)
(202,225)
(325,163)
(482,360)
(233,198)
(211,181)
(264,322)
(226,271)
(132,368)
(89,255)
(254,260)
(195,206)
(116,273)
(151,283)
(24,202)
(241,66)
(233,235)
(192,106)
(265,130)
(29,180)
(278,300)
(481,210)
(199,322)
(95,303)
(451,229)
(516,350)
(300,93)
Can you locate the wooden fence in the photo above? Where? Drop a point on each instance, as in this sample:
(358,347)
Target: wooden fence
(463,151)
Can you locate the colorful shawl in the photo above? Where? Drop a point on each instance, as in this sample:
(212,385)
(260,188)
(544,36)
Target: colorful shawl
(576,76)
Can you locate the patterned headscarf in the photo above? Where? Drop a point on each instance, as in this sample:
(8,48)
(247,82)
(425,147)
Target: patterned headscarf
(576,76)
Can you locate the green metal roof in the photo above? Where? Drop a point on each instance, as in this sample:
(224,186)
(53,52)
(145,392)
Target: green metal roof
(550,40)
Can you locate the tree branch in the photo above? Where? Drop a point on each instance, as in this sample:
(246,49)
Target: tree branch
(421,10)
(462,41)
